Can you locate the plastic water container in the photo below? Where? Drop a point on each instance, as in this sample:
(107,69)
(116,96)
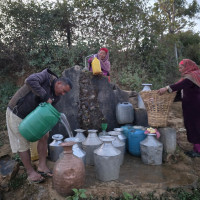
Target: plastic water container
(33,151)
(134,138)
(126,131)
(124,113)
(37,123)
(96,66)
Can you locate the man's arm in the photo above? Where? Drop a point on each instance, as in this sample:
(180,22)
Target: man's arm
(35,81)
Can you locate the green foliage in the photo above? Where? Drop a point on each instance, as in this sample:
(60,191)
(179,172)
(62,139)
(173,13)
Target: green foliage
(189,45)
(127,196)
(175,15)
(131,79)
(78,194)
(119,24)
(17,158)
(183,194)
(7,89)
(35,34)
(60,35)
(151,196)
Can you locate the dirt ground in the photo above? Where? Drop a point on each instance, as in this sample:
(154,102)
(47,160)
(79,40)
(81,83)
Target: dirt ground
(179,171)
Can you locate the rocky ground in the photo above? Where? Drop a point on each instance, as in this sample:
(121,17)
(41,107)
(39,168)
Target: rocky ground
(136,178)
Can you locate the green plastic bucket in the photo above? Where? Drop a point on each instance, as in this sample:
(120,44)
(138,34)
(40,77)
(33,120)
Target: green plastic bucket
(37,123)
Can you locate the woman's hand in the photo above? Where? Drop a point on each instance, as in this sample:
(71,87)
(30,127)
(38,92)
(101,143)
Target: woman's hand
(162,90)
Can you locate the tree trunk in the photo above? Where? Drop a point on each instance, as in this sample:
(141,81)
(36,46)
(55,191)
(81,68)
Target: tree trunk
(69,36)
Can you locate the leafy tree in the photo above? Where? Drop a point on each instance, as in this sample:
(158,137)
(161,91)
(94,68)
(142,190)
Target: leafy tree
(64,19)
(174,15)
(189,45)
(61,34)
(111,22)
(37,34)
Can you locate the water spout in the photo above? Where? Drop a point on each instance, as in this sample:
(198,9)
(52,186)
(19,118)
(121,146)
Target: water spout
(65,123)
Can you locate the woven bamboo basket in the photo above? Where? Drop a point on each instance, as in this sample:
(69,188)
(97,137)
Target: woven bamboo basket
(157,107)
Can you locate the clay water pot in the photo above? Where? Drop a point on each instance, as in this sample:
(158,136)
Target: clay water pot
(68,172)
(77,151)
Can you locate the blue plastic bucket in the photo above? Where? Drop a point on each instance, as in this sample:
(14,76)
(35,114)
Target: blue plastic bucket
(134,139)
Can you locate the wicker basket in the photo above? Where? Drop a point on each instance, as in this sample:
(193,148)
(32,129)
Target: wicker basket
(157,107)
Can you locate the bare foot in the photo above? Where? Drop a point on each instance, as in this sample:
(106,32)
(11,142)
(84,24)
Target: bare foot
(34,176)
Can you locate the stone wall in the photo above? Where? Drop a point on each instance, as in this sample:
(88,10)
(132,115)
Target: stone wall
(91,102)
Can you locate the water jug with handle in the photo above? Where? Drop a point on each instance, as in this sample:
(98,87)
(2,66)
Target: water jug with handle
(124,113)
(37,123)
(96,66)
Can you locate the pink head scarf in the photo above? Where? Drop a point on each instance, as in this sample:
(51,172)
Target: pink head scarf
(105,63)
(190,71)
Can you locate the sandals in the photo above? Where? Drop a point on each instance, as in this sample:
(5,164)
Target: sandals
(40,180)
(46,174)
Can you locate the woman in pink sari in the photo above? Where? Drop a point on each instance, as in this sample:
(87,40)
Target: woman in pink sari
(103,56)
(189,85)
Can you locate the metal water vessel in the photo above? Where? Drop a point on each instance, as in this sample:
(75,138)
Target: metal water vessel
(119,144)
(121,136)
(151,150)
(107,160)
(55,148)
(80,135)
(91,143)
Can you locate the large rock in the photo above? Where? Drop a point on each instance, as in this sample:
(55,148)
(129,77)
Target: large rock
(91,102)
(5,149)
(8,169)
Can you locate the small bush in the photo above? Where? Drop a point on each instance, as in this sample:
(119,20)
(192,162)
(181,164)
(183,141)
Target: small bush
(7,89)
